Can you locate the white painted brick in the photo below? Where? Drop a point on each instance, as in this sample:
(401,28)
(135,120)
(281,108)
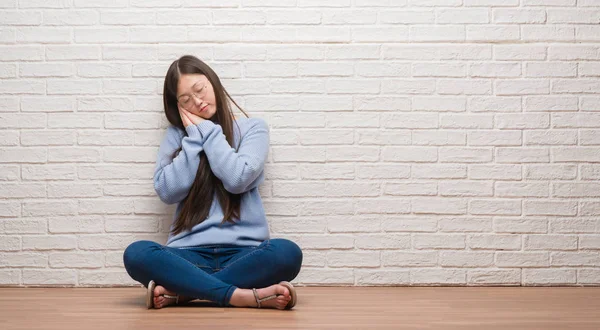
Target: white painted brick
(574,226)
(48,172)
(466,259)
(589,242)
(109,278)
(438,206)
(10,277)
(465,225)
(49,137)
(348,16)
(407,16)
(49,277)
(24,226)
(519,52)
(438,276)
(494,138)
(537,33)
(49,208)
(131,171)
(297,225)
(384,277)
(493,33)
(123,224)
(576,52)
(434,70)
(409,225)
(560,3)
(10,243)
(23,259)
(439,241)
(71,17)
(518,16)
(326,171)
(509,225)
(588,276)
(465,188)
(576,16)
(27,190)
(9,138)
(545,277)
(522,259)
(325,276)
(466,121)
(76,224)
(555,208)
(495,69)
(467,155)
(494,277)
(378,241)
(10,172)
(23,155)
(318,242)
(409,258)
(23,17)
(353,259)
(8,70)
(10,209)
(27,121)
(50,242)
(383,205)
(76,260)
(44,35)
(494,242)
(74,190)
(9,104)
(462,16)
(348,224)
(431,3)
(550,242)
(495,207)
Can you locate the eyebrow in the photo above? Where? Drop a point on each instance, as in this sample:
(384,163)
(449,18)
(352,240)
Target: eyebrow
(196,83)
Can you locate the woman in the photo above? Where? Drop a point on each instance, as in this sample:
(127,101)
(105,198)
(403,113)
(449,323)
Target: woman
(218,247)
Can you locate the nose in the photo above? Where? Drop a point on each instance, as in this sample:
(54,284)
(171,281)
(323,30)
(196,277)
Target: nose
(197,100)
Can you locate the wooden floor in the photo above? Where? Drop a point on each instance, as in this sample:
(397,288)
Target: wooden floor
(482,308)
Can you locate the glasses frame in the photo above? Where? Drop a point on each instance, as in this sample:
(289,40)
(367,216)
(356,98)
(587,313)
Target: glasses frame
(193,94)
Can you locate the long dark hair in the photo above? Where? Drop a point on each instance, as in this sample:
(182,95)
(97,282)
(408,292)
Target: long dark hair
(196,205)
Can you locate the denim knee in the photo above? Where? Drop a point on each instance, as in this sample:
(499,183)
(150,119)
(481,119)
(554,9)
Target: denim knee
(133,254)
(290,256)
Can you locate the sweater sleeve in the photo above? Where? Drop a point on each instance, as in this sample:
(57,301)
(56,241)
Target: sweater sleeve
(239,171)
(173,177)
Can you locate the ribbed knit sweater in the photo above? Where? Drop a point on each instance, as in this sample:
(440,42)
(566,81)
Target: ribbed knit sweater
(241,173)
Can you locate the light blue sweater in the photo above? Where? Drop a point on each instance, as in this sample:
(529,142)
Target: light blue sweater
(241,172)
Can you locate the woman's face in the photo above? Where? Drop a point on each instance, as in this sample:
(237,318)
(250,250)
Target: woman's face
(195,94)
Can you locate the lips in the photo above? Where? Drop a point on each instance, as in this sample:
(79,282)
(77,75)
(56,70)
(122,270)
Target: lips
(206,106)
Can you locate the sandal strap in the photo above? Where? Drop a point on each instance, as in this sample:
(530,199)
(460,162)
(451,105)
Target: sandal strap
(259,300)
(172,297)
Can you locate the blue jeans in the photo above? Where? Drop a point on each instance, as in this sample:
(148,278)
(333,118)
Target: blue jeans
(213,272)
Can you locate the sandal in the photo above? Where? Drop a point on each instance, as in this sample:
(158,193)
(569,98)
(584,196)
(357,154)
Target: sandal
(289,286)
(150,295)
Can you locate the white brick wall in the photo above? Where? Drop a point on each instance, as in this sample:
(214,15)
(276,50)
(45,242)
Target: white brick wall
(414,142)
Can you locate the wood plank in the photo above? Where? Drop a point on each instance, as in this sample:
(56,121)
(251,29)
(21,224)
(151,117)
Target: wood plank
(318,308)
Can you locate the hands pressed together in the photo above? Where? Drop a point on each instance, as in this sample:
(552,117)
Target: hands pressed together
(189,118)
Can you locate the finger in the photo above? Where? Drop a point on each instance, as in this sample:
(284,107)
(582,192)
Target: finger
(184,118)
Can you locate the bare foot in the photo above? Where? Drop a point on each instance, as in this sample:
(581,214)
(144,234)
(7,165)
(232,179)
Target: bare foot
(161,301)
(245,297)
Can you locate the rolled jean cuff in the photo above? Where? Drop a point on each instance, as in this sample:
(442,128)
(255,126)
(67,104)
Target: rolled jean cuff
(228,296)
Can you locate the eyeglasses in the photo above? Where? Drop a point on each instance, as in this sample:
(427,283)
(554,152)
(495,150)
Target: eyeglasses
(186,100)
